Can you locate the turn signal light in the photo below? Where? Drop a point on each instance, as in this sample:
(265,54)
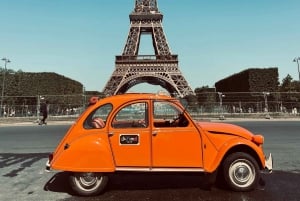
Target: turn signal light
(258,139)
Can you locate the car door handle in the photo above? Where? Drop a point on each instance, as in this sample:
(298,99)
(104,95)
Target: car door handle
(154,133)
(110,134)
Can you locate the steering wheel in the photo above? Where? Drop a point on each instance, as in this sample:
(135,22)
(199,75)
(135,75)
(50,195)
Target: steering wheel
(139,123)
(178,120)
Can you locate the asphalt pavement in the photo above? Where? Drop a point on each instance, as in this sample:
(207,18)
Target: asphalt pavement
(24,148)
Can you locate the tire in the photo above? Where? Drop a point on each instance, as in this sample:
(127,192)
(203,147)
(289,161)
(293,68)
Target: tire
(241,172)
(88,183)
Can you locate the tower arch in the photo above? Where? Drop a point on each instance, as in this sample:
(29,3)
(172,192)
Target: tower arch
(159,69)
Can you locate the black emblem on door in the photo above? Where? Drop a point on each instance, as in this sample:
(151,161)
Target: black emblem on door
(129,139)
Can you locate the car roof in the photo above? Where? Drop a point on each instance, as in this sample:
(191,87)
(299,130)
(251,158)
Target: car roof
(134,96)
(122,98)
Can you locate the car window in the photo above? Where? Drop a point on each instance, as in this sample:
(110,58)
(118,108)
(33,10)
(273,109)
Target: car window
(97,119)
(134,115)
(167,114)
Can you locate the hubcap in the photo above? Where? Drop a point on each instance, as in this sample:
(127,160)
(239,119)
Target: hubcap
(88,181)
(242,173)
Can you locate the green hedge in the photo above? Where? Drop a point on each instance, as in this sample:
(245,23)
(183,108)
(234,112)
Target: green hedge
(250,80)
(21,87)
(32,84)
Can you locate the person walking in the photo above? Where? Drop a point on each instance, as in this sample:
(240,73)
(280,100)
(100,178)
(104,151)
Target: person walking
(44,112)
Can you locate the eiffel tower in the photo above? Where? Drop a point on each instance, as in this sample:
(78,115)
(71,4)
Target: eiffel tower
(159,69)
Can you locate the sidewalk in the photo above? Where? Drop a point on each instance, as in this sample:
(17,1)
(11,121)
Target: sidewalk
(32,121)
(35,124)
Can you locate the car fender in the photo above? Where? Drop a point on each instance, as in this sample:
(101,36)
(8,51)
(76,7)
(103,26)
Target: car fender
(89,153)
(230,145)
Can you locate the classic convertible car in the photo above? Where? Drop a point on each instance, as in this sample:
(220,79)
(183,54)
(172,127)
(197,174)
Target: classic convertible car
(154,133)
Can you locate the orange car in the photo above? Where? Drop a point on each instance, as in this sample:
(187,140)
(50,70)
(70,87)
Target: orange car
(154,133)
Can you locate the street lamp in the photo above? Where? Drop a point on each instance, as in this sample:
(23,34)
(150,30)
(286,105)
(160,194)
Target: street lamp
(3,83)
(221,95)
(297,59)
(266,104)
(266,100)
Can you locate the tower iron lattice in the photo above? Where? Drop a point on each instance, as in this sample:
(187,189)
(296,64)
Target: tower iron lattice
(159,69)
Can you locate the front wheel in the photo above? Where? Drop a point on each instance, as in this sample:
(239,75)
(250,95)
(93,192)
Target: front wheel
(88,184)
(241,172)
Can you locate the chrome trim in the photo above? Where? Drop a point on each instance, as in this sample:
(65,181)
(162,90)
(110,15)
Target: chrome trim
(159,169)
(269,163)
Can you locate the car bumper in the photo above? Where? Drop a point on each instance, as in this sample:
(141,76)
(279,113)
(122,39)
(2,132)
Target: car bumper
(269,163)
(47,168)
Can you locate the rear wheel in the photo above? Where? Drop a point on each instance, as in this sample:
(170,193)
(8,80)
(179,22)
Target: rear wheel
(88,184)
(241,172)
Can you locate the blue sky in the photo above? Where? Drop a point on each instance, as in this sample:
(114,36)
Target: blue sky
(213,39)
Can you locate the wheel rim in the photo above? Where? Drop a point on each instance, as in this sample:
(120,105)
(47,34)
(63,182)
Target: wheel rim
(242,173)
(88,181)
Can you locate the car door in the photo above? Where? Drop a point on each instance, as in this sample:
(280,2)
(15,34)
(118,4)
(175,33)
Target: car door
(175,140)
(130,135)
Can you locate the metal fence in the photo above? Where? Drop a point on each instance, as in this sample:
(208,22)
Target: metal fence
(238,104)
(246,104)
(29,106)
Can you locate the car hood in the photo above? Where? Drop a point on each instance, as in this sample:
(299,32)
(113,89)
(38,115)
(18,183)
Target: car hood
(226,129)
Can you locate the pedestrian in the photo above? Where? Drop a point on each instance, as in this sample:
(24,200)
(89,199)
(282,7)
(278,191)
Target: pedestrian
(44,111)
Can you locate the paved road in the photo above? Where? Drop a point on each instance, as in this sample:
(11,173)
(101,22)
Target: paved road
(24,151)
(282,139)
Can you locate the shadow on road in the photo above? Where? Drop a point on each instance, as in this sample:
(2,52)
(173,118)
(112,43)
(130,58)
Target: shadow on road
(59,183)
(146,181)
(137,181)
(163,186)
(24,161)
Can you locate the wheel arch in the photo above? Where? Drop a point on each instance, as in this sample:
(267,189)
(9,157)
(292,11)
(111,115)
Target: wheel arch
(236,145)
(245,149)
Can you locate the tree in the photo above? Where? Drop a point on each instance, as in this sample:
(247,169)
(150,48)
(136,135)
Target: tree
(290,89)
(205,94)
(286,85)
